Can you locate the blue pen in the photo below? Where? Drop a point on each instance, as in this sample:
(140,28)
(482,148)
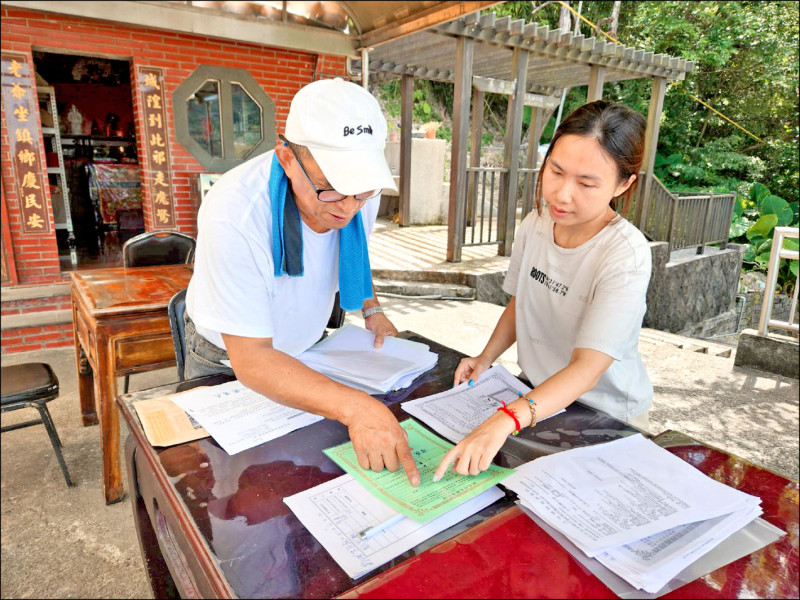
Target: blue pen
(471,382)
(370,531)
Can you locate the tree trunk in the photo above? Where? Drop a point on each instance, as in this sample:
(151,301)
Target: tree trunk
(615,18)
(564,19)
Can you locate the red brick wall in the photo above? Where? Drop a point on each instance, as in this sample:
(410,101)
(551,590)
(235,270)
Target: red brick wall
(32,305)
(37,338)
(279,72)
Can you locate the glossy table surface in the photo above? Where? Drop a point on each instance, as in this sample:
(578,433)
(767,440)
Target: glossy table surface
(235,503)
(125,289)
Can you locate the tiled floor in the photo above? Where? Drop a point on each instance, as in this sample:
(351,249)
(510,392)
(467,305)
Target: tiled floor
(392,247)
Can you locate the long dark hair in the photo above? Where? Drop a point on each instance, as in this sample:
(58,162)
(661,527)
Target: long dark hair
(620,132)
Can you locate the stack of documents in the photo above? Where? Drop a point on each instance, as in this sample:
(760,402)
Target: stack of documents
(642,512)
(455,413)
(239,418)
(349,356)
(365,519)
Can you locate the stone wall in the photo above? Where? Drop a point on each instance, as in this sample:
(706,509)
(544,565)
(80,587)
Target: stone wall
(689,291)
(752,308)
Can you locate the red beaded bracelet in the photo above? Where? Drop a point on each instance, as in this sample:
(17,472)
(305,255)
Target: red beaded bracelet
(511,414)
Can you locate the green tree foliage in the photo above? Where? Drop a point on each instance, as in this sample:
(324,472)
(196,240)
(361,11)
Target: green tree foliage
(746,66)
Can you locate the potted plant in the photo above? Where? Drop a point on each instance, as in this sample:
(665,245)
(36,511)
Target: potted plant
(430,129)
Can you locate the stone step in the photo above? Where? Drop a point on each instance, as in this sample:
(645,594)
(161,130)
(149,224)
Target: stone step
(424,289)
(686,343)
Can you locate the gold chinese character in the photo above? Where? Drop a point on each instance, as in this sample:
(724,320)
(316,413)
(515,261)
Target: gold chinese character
(30,201)
(17,91)
(154,119)
(161,198)
(160,179)
(15,68)
(29,180)
(23,135)
(27,157)
(151,79)
(162,215)
(22,114)
(154,101)
(35,221)
(155,140)
(159,157)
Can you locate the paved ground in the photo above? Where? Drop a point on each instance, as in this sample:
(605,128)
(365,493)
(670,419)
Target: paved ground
(66,543)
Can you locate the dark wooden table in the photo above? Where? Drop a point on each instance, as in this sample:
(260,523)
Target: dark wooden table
(215,526)
(120,323)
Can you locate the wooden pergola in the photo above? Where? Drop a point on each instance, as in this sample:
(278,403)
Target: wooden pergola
(530,63)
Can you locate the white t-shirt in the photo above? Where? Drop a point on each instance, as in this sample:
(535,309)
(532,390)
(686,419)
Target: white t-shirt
(592,296)
(234,289)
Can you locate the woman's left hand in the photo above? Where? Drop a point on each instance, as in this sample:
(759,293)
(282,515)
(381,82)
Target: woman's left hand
(474,453)
(381,326)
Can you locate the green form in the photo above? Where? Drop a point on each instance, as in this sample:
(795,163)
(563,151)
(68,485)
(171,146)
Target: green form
(429,500)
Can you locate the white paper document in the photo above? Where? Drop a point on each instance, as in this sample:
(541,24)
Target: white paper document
(641,511)
(349,356)
(337,511)
(456,412)
(619,492)
(239,418)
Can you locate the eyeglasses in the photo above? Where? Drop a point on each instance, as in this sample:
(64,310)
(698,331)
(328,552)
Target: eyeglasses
(329,194)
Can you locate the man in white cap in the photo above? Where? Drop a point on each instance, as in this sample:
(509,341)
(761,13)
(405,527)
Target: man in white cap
(277,237)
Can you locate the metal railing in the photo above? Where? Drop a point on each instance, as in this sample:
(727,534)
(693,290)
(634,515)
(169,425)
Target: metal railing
(484,194)
(528,178)
(778,252)
(688,219)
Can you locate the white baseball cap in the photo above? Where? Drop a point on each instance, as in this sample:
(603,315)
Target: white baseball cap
(343,127)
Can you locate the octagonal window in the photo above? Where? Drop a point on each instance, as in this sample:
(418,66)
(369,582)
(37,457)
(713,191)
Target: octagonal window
(204,123)
(223,117)
(247,121)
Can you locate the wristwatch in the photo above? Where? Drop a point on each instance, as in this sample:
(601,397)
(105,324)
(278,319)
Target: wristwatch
(368,312)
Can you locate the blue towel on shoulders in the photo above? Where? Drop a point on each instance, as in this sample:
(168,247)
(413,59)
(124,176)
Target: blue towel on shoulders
(355,275)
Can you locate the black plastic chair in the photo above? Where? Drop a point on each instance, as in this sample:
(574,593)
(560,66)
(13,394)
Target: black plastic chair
(175,309)
(32,385)
(157,248)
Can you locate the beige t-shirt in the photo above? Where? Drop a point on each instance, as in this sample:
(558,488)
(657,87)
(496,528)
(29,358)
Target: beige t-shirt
(592,296)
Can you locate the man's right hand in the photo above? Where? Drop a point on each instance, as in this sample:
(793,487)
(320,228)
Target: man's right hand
(379,441)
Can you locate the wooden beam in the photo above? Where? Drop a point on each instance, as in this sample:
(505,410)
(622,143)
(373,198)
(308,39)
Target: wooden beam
(458,158)
(508,88)
(406,125)
(597,75)
(422,19)
(506,218)
(650,145)
(475,151)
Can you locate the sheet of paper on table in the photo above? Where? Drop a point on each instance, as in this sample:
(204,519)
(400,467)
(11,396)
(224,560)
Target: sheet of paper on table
(239,418)
(165,423)
(751,538)
(349,356)
(429,500)
(641,511)
(456,412)
(337,511)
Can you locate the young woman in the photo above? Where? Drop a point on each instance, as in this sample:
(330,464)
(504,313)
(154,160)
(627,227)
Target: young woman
(578,279)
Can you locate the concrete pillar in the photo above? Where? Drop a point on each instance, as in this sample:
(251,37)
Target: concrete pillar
(597,76)
(475,151)
(650,145)
(406,125)
(508,200)
(462,87)
(365,68)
